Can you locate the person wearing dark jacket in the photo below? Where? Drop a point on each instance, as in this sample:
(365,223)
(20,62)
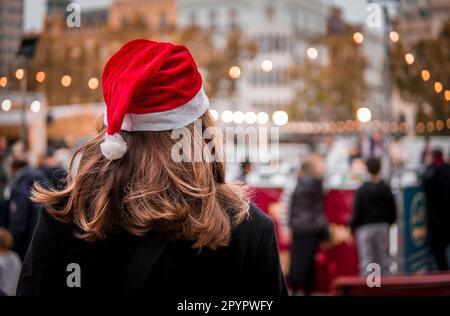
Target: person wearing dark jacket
(3,182)
(138,217)
(374,211)
(3,202)
(53,170)
(308,224)
(22,213)
(436,183)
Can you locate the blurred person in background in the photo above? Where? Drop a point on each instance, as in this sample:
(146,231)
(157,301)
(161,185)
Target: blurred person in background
(397,154)
(285,206)
(365,144)
(377,145)
(246,169)
(308,223)
(22,213)
(436,183)
(358,166)
(53,169)
(425,157)
(10,264)
(374,211)
(354,153)
(3,182)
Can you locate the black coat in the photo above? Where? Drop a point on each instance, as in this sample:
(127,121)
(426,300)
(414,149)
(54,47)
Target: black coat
(436,182)
(307,211)
(248,266)
(22,214)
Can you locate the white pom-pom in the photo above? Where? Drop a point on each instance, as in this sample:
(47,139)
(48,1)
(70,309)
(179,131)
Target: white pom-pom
(113,147)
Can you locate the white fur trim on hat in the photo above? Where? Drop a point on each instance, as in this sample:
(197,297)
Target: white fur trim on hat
(167,120)
(113,147)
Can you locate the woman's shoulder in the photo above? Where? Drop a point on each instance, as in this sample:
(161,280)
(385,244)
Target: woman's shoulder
(52,228)
(255,225)
(258,217)
(252,228)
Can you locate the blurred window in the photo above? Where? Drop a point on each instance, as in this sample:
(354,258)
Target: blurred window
(423,13)
(142,20)
(273,78)
(163,22)
(124,21)
(212,19)
(233,19)
(270,12)
(193,18)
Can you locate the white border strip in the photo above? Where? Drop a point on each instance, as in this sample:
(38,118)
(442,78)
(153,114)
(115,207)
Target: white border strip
(167,120)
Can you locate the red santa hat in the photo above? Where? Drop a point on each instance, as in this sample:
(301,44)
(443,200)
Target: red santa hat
(149,86)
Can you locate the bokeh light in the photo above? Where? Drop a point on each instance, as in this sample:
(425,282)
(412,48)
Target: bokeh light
(447,95)
(227,116)
(20,73)
(394,36)
(66,80)
(312,53)
(238,117)
(35,106)
(250,118)
(262,118)
(267,65)
(409,58)
(40,76)
(3,82)
(420,127)
(438,87)
(425,75)
(93,83)
(364,115)
(358,37)
(430,127)
(214,114)
(6,105)
(280,118)
(234,72)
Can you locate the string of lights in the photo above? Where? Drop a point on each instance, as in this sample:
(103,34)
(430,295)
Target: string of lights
(281,118)
(40,76)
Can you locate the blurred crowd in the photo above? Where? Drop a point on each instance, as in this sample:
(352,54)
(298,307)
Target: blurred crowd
(18,214)
(374,210)
(305,227)
(302,218)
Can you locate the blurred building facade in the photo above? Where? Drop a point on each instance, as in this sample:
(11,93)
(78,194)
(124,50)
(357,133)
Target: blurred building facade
(158,15)
(11,30)
(421,19)
(281,31)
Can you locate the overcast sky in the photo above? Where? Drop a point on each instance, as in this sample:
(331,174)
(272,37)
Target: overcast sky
(35,11)
(354,10)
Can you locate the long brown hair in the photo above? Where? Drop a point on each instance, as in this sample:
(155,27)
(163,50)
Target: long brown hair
(146,191)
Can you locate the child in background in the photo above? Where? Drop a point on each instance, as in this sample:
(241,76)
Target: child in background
(374,211)
(10,264)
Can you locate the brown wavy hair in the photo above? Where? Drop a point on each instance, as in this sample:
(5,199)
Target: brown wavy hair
(147,191)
